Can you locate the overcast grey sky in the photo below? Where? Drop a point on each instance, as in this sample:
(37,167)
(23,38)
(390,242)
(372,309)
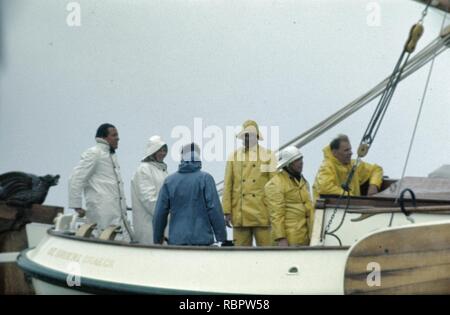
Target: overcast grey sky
(150,66)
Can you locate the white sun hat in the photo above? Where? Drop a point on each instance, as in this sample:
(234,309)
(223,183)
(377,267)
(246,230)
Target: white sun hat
(153,145)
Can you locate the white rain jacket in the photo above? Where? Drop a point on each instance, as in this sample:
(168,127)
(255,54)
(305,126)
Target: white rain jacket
(145,185)
(97,176)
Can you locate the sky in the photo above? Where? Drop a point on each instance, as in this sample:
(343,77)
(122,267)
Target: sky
(158,67)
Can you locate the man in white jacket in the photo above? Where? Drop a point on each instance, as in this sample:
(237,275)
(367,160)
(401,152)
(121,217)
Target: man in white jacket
(97,176)
(145,185)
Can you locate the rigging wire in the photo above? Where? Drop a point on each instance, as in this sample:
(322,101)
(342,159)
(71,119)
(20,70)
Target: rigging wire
(375,122)
(411,142)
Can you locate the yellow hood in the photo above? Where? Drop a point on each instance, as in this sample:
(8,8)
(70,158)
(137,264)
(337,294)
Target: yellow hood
(328,155)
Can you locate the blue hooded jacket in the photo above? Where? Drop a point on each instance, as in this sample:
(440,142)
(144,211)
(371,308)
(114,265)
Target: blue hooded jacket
(196,215)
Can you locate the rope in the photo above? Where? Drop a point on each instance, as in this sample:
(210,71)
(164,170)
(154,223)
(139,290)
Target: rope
(379,113)
(332,233)
(411,142)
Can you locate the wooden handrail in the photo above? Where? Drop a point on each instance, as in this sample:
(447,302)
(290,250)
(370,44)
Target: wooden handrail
(422,209)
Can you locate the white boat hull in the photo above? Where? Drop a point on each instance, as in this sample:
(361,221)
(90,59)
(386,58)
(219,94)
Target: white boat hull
(111,267)
(352,231)
(64,264)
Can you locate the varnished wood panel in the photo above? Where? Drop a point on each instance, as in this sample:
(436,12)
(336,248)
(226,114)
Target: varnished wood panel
(413,260)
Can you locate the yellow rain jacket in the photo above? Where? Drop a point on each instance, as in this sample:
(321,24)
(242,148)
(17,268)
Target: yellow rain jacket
(332,174)
(246,173)
(291,209)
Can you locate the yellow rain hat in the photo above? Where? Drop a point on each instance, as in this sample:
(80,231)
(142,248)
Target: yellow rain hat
(250,126)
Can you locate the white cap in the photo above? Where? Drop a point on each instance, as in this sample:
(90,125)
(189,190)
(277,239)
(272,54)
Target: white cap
(287,156)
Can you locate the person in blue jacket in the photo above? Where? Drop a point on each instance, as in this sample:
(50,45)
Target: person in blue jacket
(190,197)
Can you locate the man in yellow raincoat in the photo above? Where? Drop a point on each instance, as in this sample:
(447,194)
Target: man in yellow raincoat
(248,169)
(336,166)
(289,202)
